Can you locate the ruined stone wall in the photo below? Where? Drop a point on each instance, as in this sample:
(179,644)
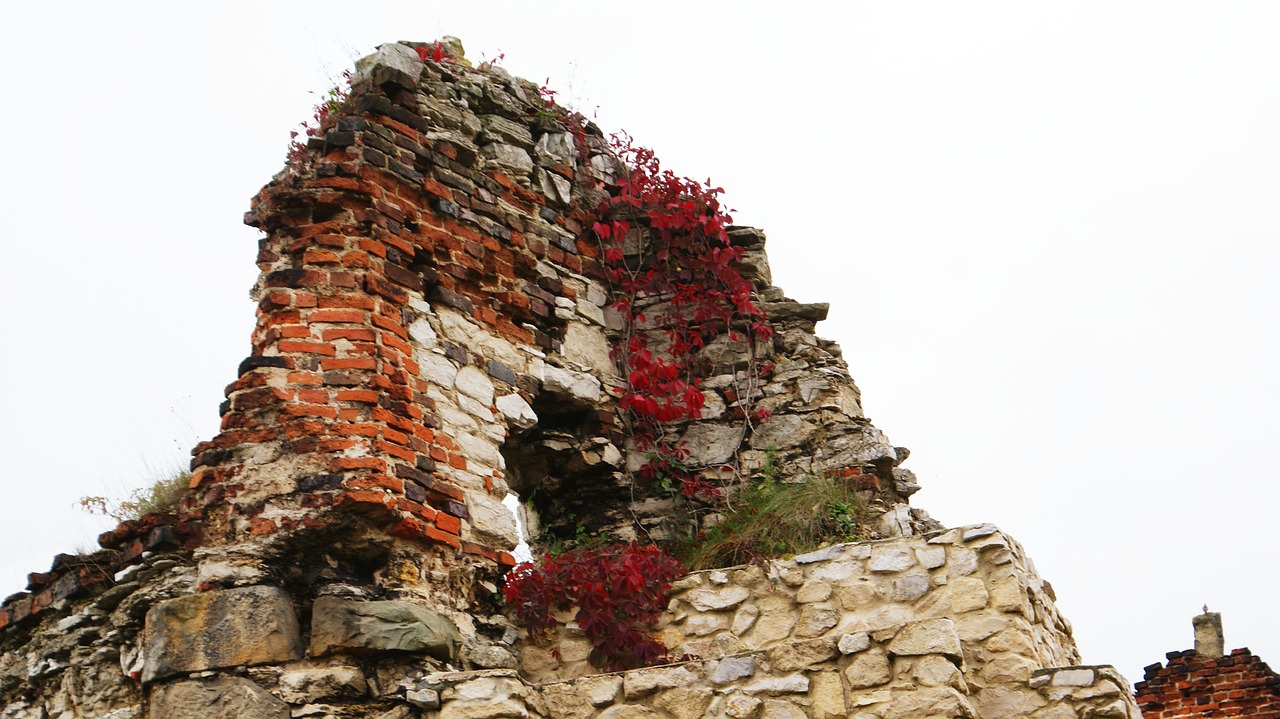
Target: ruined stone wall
(433,332)
(977,577)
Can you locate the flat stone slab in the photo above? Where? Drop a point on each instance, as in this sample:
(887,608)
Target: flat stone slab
(227,628)
(346,625)
(221,698)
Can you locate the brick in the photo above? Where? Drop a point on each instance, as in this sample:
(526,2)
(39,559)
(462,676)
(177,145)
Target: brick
(336,315)
(320,257)
(319,348)
(390,326)
(457,461)
(358,395)
(310,410)
(336,445)
(364,496)
(379,286)
(355,302)
(342,463)
(354,334)
(349,363)
(374,481)
(365,429)
(444,538)
(395,450)
(314,396)
(304,378)
(449,523)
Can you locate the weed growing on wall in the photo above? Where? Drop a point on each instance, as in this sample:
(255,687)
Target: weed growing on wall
(162,495)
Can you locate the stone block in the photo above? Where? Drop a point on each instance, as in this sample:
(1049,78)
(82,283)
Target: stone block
(339,625)
(869,669)
(211,630)
(221,698)
(931,636)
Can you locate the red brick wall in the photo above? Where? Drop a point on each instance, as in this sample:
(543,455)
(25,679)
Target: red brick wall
(1239,685)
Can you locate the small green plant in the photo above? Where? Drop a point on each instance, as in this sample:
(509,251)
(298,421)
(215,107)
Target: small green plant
(161,496)
(768,518)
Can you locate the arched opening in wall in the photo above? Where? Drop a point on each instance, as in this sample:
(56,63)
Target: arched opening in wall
(567,473)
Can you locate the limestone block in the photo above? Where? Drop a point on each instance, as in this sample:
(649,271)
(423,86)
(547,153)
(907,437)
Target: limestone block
(731,669)
(936,702)
(1007,669)
(962,562)
(684,702)
(491,521)
(821,555)
(600,690)
(744,618)
(1007,596)
(423,334)
(1073,678)
(783,432)
(772,626)
(792,656)
(220,698)
(789,684)
(854,643)
(303,686)
(579,385)
(909,588)
(516,410)
(935,671)
(700,625)
(931,557)
(977,627)
(931,636)
(826,691)
(437,369)
(640,682)
(564,701)
(741,707)
(712,600)
(1005,701)
(782,709)
(968,594)
(1012,640)
(587,346)
(812,591)
(1057,711)
(210,630)
(475,384)
(508,157)
(815,620)
(890,557)
(559,147)
(711,444)
(348,625)
(868,669)
(391,56)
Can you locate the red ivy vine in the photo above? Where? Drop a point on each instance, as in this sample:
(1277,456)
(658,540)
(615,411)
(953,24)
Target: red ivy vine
(666,244)
(619,592)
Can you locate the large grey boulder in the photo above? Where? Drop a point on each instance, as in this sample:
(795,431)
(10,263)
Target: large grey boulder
(339,625)
(227,628)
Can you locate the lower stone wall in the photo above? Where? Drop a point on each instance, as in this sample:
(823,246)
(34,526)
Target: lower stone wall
(977,577)
(955,624)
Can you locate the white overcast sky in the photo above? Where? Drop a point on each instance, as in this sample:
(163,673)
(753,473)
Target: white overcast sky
(1048,232)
